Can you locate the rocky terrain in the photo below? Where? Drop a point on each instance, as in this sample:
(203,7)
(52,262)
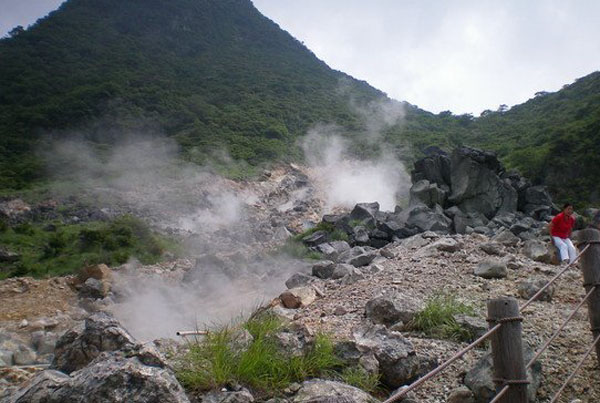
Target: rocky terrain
(470,230)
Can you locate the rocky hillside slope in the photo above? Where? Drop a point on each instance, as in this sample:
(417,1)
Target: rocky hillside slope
(377,271)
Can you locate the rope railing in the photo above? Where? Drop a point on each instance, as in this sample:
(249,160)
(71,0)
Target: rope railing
(500,394)
(439,369)
(402,393)
(564,385)
(551,339)
(549,283)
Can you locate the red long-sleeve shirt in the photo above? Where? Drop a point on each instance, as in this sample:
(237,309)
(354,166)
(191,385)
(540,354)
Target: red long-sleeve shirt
(562,225)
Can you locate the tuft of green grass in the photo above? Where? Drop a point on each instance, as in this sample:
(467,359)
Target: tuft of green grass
(72,246)
(322,226)
(355,223)
(261,365)
(437,318)
(295,248)
(339,235)
(359,377)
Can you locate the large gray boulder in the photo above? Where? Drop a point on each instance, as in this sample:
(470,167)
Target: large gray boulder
(398,362)
(476,185)
(463,220)
(429,194)
(316,238)
(491,268)
(111,377)
(323,269)
(538,250)
(78,347)
(434,168)
(363,259)
(365,212)
(425,219)
(533,197)
(390,309)
(322,391)
(506,238)
(332,250)
(492,248)
(360,234)
(299,280)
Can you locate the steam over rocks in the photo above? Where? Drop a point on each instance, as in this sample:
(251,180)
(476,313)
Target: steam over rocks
(471,229)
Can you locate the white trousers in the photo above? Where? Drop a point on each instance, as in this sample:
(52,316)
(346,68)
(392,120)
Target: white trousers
(566,248)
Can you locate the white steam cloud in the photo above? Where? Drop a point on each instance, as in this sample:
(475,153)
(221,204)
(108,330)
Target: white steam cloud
(344,180)
(379,115)
(144,176)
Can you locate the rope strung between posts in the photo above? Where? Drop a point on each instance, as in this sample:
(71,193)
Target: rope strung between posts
(541,290)
(500,394)
(564,385)
(433,373)
(486,335)
(545,346)
(505,320)
(507,383)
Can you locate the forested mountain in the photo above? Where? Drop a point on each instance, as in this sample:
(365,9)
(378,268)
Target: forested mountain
(216,74)
(211,73)
(554,138)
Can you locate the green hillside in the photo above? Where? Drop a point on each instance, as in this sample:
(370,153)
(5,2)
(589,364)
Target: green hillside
(554,138)
(212,74)
(217,75)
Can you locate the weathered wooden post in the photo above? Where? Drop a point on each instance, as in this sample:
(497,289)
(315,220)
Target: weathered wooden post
(507,350)
(590,266)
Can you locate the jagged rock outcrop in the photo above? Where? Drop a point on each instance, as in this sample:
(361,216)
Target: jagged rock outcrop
(79,346)
(111,377)
(464,193)
(398,362)
(477,184)
(102,362)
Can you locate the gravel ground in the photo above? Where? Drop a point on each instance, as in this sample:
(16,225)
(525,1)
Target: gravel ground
(448,272)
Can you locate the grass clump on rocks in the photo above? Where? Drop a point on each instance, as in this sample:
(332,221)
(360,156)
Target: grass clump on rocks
(360,378)
(297,249)
(437,318)
(227,356)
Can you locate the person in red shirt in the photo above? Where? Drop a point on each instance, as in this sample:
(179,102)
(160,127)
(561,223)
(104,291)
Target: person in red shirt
(561,227)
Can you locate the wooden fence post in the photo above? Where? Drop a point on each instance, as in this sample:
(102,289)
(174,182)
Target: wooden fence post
(507,349)
(590,266)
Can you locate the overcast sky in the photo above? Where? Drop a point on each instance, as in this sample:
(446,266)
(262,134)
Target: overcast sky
(463,56)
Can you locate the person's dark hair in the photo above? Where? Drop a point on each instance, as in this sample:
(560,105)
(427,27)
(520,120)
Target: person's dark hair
(567,205)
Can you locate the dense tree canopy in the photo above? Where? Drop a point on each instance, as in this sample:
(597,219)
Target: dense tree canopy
(216,74)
